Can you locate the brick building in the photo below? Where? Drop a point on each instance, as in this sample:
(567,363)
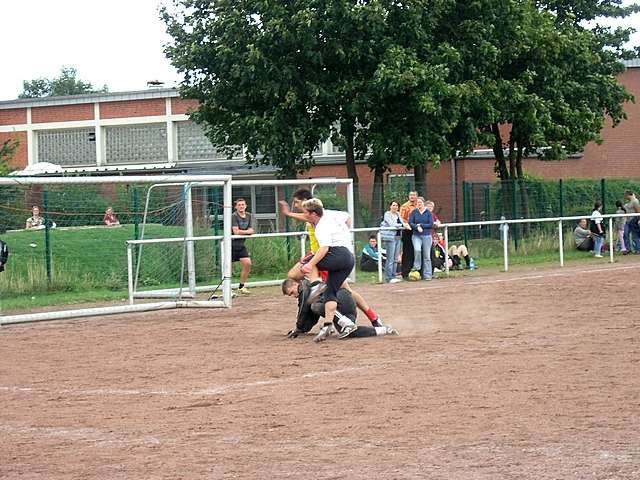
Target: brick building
(150,130)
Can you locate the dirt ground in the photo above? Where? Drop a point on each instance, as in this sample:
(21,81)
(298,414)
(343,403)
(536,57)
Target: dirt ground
(523,375)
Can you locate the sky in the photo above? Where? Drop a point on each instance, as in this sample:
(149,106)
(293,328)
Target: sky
(117,43)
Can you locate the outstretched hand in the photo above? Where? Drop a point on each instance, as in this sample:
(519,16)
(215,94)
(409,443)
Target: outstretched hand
(284,207)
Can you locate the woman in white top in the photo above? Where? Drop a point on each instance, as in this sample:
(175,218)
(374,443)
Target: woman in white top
(391,240)
(597,229)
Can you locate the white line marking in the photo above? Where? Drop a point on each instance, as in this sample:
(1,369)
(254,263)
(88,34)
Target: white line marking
(87,434)
(527,277)
(213,391)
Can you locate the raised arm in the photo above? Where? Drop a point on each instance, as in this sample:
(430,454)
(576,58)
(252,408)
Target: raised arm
(286,211)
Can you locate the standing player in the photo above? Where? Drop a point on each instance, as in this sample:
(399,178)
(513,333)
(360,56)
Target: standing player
(242,223)
(299,196)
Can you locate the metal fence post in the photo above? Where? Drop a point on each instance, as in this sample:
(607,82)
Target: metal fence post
(287,190)
(611,244)
(514,212)
(504,228)
(136,223)
(379,240)
(603,194)
(561,240)
(487,209)
(465,210)
(561,197)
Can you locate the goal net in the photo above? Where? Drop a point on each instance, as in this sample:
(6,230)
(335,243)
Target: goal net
(188,265)
(69,242)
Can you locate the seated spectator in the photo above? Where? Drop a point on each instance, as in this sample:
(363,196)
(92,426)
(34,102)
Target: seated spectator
(582,236)
(370,253)
(110,218)
(455,254)
(35,220)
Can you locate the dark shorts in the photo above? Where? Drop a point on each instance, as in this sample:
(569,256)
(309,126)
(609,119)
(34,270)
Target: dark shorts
(338,262)
(238,252)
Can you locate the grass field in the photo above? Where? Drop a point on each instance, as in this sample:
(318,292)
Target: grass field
(89,264)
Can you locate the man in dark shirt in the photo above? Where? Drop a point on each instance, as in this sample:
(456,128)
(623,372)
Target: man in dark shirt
(345,314)
(242,223)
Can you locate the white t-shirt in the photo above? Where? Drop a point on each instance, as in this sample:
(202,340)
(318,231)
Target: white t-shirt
(332,229)
(596,216)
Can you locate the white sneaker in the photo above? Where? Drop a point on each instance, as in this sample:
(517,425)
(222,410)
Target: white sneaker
(395,280)
(391,330)
(315,292)
(244,291)
(324,333)
(598,256)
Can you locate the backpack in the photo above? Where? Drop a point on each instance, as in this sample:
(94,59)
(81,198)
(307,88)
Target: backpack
(4,254)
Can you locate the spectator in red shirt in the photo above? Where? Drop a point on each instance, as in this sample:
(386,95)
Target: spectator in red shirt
(110,218)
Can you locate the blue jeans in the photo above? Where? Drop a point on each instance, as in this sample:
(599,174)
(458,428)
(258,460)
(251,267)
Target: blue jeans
(393,248)
(598,240)
(422,254)
(631,236)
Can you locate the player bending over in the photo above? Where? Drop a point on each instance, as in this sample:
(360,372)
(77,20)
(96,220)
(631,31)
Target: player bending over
(343,320)
(296,273)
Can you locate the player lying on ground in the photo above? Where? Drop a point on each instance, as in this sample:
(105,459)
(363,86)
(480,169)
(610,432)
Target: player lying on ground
(296,272)
(344,319)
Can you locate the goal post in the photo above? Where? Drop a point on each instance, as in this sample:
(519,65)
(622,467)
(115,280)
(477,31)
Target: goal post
(73,239)
(284,246)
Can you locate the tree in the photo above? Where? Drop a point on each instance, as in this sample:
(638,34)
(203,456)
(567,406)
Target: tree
(281,77)
(546,82)
(65,84)
(7,150)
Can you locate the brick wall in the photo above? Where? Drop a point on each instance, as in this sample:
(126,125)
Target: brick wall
(181,106)
(19,160)
(13,116)
(133,108)
(62,113)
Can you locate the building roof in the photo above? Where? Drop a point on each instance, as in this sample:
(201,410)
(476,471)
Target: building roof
(90,98)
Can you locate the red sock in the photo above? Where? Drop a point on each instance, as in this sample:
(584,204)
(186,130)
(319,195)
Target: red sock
(371,315)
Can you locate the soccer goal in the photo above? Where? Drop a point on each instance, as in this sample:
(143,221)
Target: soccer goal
(194,258)
(77,238)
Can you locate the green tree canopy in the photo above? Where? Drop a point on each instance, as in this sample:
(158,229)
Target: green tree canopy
(405,82)
(65,84)
(7,150)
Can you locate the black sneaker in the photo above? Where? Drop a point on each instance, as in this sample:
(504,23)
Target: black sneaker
(348,330)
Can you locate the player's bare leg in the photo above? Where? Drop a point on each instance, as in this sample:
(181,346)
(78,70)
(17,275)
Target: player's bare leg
(245,264)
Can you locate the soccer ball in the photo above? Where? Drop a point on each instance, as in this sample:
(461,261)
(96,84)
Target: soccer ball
(414,276)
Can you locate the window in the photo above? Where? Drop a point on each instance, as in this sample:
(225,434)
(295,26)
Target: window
(136,143)
(67,147)
(192,143)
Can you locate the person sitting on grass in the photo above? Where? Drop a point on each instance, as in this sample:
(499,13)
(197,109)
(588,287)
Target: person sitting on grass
(370,253)
(582,236)
(35,220)
(455,255)
(110,218)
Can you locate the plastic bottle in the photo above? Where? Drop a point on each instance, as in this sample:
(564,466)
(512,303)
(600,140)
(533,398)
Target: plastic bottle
(472,264)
